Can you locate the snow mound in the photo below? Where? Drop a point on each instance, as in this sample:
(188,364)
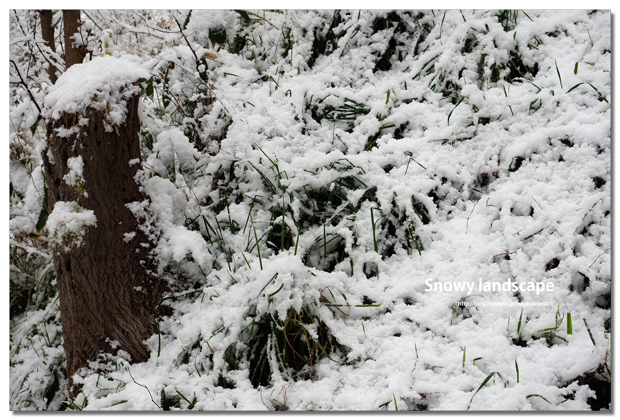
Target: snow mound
(68,223)
(105,84)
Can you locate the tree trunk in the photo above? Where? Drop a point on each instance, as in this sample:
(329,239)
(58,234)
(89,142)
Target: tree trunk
(72,24)
(47,31)
(108,297)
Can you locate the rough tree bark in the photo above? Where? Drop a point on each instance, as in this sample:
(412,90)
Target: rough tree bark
(73,55)
(47,31)
(107,296)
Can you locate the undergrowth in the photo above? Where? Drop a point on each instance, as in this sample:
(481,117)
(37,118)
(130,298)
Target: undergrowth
(248,206)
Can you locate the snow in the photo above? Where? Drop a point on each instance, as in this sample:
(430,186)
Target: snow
(512,199)
(68,224)
(76,166)
(105,83)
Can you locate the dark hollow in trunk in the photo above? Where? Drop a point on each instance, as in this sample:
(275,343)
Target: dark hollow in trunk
(106,290)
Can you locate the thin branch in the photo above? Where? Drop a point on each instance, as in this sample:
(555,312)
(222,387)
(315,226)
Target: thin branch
(154,27)
(92,20)
(19,22)
(55,65)
(26,86)
(136,30)
(183,34)
(260,17)
(144,387)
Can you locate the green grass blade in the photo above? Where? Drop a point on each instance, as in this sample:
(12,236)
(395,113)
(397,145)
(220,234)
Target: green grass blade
(185,398)
(539,89)
(265,286)
(283,215)
(327,355)
(441,28)
(374,238)
(539,396)
(569,324)
(449,115)
(599,93)
(246,260)
(275,293)
(464,350)
(517,367)
(297,238)
(488,378)
(574,87)
(409,161)
(560,77)
(257,244)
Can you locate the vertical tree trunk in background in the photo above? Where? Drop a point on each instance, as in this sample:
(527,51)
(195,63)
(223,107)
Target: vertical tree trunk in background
(72,24)
(107,296)
(47,32)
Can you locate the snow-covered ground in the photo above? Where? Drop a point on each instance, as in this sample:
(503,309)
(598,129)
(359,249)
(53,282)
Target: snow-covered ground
(446,180)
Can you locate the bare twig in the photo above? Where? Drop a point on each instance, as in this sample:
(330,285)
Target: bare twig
(599,257)
(533,234)
(31,250)
(154,27)
(537,203)
(589,332)
(26,86)
(183,34)
(144,387)
(92,20)
(260,17)
(345,145)
(505,253)
(210,348)
(472,211)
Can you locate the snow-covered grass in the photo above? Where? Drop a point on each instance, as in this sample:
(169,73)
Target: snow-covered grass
(310,174)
